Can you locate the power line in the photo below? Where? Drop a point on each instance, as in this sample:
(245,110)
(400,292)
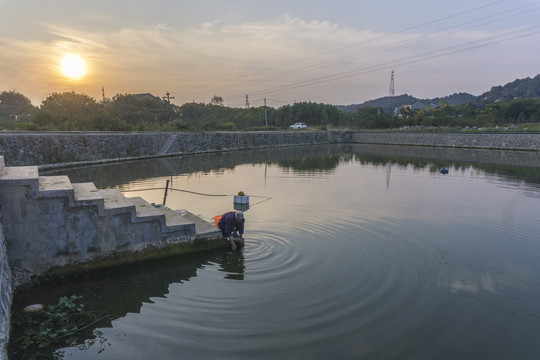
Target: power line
(498,38)
(401,44)
(407,60)
(348,46)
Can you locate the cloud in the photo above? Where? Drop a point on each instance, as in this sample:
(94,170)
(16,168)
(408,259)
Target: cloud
(286,57)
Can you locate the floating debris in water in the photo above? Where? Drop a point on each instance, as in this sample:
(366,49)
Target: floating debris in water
(34,308)
(444,171)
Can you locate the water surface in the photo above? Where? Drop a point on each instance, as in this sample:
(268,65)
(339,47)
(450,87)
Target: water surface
(351,253)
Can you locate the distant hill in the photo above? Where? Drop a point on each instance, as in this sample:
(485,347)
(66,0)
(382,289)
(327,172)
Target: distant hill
(520,88)
(389,103)
(455,99)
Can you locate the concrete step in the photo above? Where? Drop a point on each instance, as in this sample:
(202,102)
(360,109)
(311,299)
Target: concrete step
(146,211)
(55,186)
(116,203)
(20,175)
(87,194)
(203,229)
(172,221)
(108,201)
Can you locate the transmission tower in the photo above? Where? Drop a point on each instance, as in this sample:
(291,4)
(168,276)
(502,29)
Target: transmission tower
(391,92)
(247,101)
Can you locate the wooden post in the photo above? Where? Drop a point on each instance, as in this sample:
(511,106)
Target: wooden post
(166,190)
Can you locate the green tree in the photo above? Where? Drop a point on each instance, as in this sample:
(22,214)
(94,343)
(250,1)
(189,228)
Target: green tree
(66,111)
(491,114)
(444,115)
(373,117)
(313,114)
(14,109)
(135,110)
(522,110)
(217,100)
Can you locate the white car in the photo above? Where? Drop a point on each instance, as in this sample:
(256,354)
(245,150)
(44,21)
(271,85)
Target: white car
(298,125)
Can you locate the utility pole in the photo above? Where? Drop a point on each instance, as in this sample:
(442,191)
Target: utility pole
(265,114)
(103,93)
(247,101)
(168,97)
(391,92)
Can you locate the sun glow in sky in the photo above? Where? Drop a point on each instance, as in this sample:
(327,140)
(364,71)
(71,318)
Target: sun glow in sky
(334,52)
(73,66)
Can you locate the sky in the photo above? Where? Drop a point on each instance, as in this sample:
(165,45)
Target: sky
(335,52)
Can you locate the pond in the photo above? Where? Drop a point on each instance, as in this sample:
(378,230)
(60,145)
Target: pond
(352,252)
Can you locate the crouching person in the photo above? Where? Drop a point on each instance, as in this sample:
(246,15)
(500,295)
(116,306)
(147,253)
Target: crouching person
(231,225)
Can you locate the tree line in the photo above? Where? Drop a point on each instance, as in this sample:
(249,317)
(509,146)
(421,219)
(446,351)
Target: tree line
(501,113)
(127,112)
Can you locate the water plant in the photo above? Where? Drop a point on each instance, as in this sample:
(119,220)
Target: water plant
(39,335)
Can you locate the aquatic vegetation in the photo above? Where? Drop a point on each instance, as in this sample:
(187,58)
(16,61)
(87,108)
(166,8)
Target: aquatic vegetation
(38,335)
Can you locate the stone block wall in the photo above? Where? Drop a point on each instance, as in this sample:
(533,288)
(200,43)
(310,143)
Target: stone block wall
(64,147)
(67,147)
(506,141)
(6,295)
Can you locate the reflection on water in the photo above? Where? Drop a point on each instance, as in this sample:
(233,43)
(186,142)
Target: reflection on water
(111,295)
(351,252)
(521,165)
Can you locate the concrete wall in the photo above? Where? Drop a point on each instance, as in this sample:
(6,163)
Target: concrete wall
(65,147)
(507,141)
(452,155)
(45,232)
(6,295)
(57,226)
(49,148)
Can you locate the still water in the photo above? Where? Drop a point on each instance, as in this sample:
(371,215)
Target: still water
(351,252)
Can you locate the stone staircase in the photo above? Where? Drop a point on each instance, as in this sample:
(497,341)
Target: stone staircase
(51,222)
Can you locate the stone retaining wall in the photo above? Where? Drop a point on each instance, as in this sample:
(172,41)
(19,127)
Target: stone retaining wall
(66,147)
(6,295)
(504,141)
(62,147)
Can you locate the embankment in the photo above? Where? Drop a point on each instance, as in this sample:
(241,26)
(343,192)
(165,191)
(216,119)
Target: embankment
(57,148)
(501,141)
(66,147)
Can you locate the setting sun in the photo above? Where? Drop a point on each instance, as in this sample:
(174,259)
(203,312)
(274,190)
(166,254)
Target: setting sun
(73,66)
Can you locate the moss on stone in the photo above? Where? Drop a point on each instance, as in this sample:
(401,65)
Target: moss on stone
(146,254)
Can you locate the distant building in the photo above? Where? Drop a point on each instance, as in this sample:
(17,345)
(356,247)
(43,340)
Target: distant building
(143,96)
(416,106)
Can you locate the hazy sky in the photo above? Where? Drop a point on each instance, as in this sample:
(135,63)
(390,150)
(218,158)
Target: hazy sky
(337,52)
